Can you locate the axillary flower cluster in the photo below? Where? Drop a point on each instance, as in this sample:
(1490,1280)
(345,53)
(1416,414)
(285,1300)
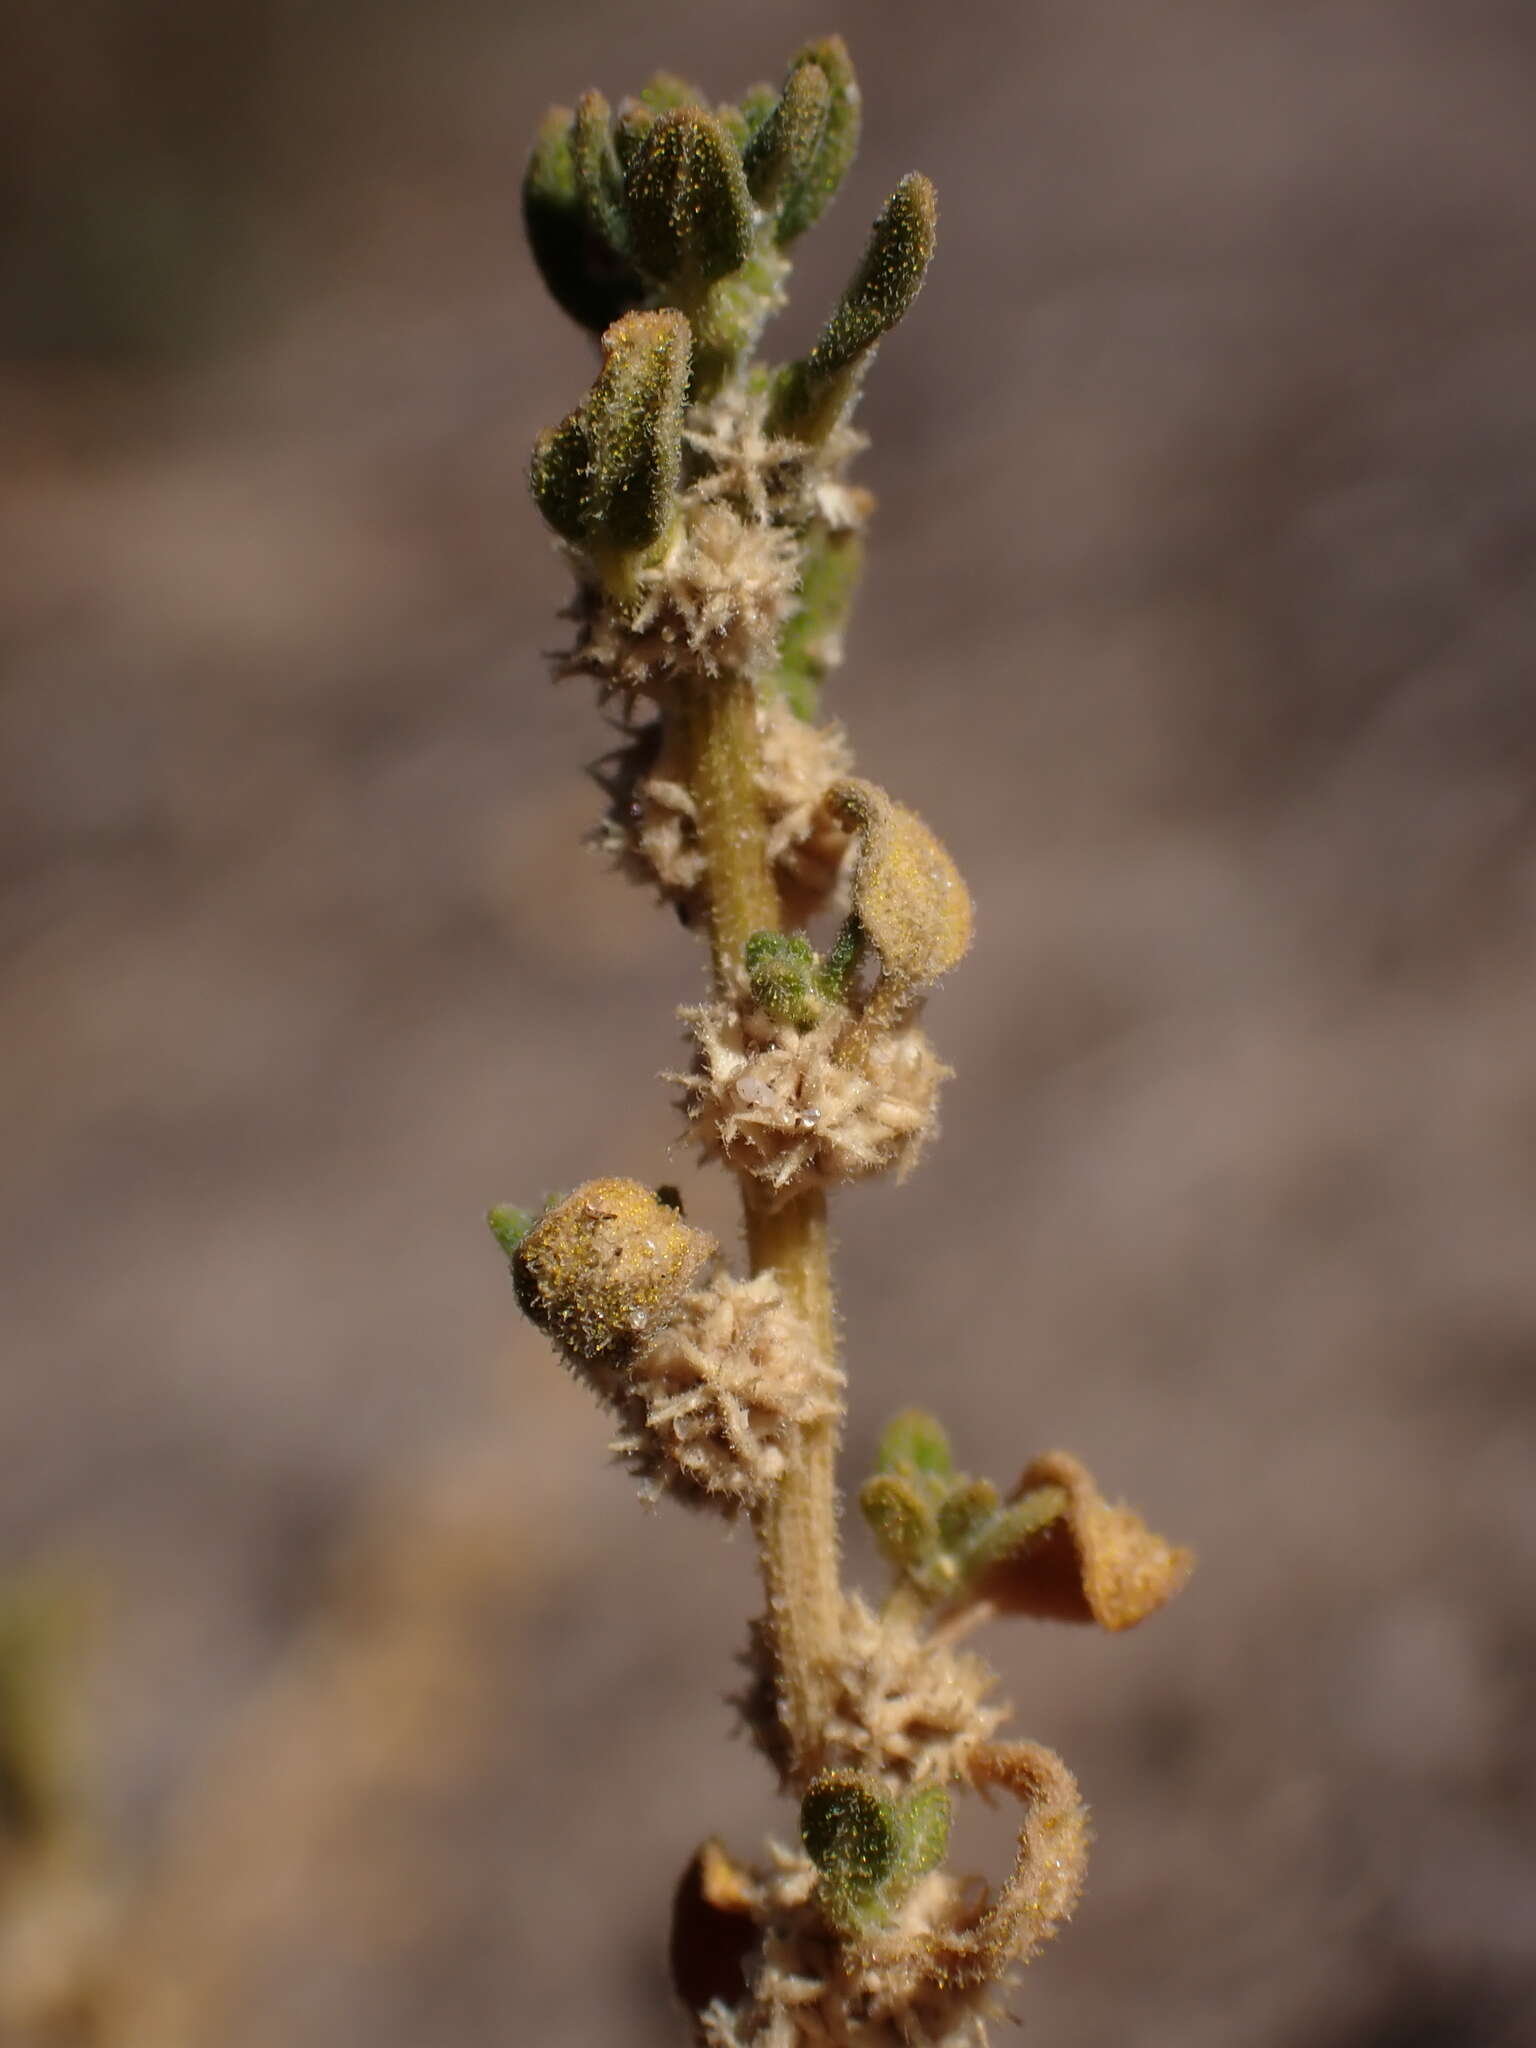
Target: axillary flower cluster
(701,497)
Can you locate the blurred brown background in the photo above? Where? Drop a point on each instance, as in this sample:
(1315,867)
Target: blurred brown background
(1201,621)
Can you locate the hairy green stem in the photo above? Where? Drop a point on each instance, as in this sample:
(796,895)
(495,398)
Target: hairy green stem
(719,721)
(797,1529)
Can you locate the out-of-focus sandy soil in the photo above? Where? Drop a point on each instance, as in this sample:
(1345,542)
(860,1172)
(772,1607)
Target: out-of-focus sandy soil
(1201,621)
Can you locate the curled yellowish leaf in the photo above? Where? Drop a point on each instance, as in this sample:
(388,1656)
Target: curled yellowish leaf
(602,1270)
(1046,1881)
(908,896)
(1092,1562)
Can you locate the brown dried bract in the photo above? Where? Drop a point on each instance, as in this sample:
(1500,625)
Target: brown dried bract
(1095,1563)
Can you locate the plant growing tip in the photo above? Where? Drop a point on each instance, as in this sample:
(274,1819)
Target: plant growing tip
(790,982)
(1056,1549)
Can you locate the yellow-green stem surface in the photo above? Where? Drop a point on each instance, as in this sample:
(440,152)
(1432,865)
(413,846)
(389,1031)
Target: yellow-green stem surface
(797,1529)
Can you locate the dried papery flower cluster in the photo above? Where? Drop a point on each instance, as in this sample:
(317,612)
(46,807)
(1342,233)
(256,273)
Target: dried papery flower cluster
(702,499)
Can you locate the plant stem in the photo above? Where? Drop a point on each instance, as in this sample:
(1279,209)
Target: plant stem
(719,721)
(797,1529)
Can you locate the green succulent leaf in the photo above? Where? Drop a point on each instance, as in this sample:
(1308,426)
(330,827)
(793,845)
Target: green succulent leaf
(924,1820)
(852,1833)
(664,90)
(635,419)
(509,1226)
(807,197)
(782,970)
(633,122)
(941,1529)
(1014,1528)
(607,476)
(560,476)
(901,1521)
(889,275)
(781,156)
(689,210)
(965,1512)
(583,271)
(811,395)
(812,642)
(757,105)
(842,961)
(599,174)
(915,1442)
(868,1847)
